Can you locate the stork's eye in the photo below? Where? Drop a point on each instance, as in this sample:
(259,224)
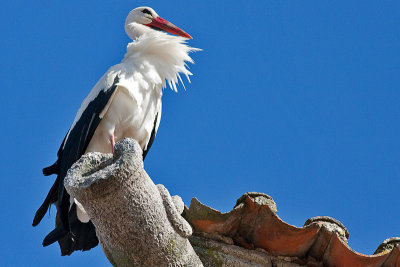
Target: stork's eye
(146,11)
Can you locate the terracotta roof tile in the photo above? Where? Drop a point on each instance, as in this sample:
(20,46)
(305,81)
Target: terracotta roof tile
(253,223)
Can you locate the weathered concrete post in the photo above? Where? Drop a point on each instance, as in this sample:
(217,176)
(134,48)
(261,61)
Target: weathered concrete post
(137,222)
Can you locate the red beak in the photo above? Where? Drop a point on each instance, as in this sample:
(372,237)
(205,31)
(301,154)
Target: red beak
(162,24)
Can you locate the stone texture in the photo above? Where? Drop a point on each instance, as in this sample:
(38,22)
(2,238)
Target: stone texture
(137,222)
(388,245)
(213,254)
(332,225)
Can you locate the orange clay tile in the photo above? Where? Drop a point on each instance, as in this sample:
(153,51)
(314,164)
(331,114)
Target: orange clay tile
(253,223)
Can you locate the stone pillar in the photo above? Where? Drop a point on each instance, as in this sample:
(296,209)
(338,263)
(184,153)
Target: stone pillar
(137,222)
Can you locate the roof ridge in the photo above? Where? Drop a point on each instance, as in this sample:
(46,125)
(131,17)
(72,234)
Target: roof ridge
(254,223)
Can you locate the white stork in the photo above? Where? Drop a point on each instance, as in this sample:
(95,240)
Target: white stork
(125,102)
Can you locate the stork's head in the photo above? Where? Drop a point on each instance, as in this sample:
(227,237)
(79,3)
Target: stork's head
(145,19)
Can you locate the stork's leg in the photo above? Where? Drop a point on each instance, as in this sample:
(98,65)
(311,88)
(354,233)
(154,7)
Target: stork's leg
(112,141)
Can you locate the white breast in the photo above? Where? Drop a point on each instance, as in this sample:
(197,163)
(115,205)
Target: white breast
(131,113)
(151,61)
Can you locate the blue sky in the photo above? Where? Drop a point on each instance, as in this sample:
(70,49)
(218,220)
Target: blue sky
(296,99)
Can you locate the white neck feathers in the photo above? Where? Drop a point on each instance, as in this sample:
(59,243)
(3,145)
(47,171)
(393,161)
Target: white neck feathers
(160,54)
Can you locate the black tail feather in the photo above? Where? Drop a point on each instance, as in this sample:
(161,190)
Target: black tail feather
(64,211)
(81,237)
(53,169)
(50,198)
(54,235)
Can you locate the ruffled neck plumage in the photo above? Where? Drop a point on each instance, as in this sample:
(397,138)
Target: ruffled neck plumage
(167,54)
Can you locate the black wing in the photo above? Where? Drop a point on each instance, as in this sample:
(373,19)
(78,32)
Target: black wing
(70,151)
(152,137)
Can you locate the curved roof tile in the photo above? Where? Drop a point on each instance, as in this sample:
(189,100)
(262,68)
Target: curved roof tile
(253,223)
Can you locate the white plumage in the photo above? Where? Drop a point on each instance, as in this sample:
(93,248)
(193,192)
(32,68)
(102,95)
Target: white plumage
(153,59)
(125,102)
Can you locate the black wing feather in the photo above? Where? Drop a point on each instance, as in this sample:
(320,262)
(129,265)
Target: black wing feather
(50,198)
(152,137)
(55,168)
(70,151)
